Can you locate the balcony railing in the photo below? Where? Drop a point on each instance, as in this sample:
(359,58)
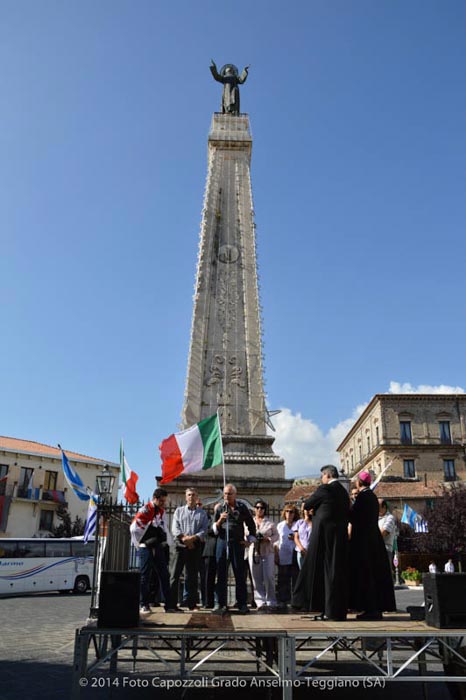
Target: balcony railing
(30,494)
(39,494)
(54,495)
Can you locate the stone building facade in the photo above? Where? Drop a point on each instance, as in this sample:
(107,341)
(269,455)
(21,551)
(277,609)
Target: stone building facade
(424,435)
(33,486)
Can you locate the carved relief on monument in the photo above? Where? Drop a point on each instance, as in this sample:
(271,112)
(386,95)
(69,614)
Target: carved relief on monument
(237,374)
(228,253)
(227,298)
(216,371)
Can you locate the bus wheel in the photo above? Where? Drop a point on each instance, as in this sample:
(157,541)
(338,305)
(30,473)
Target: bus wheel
(81,584)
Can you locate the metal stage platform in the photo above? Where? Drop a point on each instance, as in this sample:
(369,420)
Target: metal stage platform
(202,650)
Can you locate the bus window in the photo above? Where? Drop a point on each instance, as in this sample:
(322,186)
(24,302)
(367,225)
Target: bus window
(32,549)
(79,549)
(9,549)
(57,549)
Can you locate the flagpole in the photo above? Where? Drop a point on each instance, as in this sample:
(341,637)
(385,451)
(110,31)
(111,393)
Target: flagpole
(221,446)
(228,508)
(376,481)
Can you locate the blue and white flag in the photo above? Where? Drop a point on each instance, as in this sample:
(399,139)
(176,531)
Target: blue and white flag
(91,522)
(409,516)
(74,480)
(29,487)
(420,525)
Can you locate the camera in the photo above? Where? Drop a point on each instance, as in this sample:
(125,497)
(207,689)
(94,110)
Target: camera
(259,536)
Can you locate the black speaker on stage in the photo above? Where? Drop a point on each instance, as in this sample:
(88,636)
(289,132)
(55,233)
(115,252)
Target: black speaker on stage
(445,600)
(119,599)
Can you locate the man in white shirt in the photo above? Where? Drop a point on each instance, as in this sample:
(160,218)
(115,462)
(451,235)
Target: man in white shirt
(387,526)
(449,567)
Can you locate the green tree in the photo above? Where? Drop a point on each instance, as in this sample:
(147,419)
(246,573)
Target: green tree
(67,527)
(447,521)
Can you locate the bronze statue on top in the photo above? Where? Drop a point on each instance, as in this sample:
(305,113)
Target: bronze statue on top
(231,79)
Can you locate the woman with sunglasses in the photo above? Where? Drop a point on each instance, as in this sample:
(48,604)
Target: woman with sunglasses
(262,559)
(285,556)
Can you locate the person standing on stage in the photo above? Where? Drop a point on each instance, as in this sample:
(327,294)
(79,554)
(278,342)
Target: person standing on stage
(387,526)
(149,535)
(262,559)
(189,528)
(230,517)
(286,556)
(322,582)
(371,584)
(302,529)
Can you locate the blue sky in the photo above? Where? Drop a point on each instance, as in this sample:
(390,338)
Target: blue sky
(358,117)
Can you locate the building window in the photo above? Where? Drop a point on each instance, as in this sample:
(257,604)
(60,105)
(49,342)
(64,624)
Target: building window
(377,436)
(46,520)
(3,478)
(408,468)
(449,469)
(352,461)
(405,432)
(25,483)
(360,453)
(445,433)
(50,481)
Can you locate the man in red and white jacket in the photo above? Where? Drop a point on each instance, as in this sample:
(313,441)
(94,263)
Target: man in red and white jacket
(149,535)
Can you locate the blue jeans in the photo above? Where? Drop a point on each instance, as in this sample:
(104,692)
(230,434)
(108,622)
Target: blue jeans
(236,557)
(153,558)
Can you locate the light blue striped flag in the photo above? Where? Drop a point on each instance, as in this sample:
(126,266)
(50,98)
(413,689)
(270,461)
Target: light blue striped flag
(74,480)
(409,516)
(420,525)
(91,521)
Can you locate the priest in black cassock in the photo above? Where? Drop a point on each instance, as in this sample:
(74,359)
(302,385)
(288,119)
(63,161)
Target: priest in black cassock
(323,580)
(371,583)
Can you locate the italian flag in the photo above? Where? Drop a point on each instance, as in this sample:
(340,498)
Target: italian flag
(192,450)
(128,478)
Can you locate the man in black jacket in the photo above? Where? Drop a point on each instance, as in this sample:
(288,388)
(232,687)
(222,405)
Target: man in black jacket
(229,521)
(322,581)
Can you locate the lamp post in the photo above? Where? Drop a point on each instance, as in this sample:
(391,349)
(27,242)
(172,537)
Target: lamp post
(104,486)
(344,480)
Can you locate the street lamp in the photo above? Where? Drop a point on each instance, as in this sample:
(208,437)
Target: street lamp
(104,487)
(344,480)
(105,482)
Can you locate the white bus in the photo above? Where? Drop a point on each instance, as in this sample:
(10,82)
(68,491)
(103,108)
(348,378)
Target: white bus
(49,564)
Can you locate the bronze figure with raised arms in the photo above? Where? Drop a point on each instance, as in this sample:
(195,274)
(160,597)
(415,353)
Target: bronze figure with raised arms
(230,78)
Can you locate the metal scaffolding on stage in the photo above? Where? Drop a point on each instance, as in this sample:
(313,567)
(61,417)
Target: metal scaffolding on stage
(275,652)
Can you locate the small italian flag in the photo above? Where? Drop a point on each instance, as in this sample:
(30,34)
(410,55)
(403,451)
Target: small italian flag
(192,450)
(128,478)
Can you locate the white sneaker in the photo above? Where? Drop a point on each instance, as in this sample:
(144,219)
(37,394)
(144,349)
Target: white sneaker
(144,610)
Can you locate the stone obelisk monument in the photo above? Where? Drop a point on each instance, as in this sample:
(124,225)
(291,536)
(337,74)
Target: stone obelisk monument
(225,366)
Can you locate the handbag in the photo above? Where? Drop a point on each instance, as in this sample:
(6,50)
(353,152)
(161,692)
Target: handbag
(154,535)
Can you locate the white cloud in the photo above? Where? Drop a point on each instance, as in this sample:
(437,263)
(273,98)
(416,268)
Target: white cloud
(407,388)
(305,447)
